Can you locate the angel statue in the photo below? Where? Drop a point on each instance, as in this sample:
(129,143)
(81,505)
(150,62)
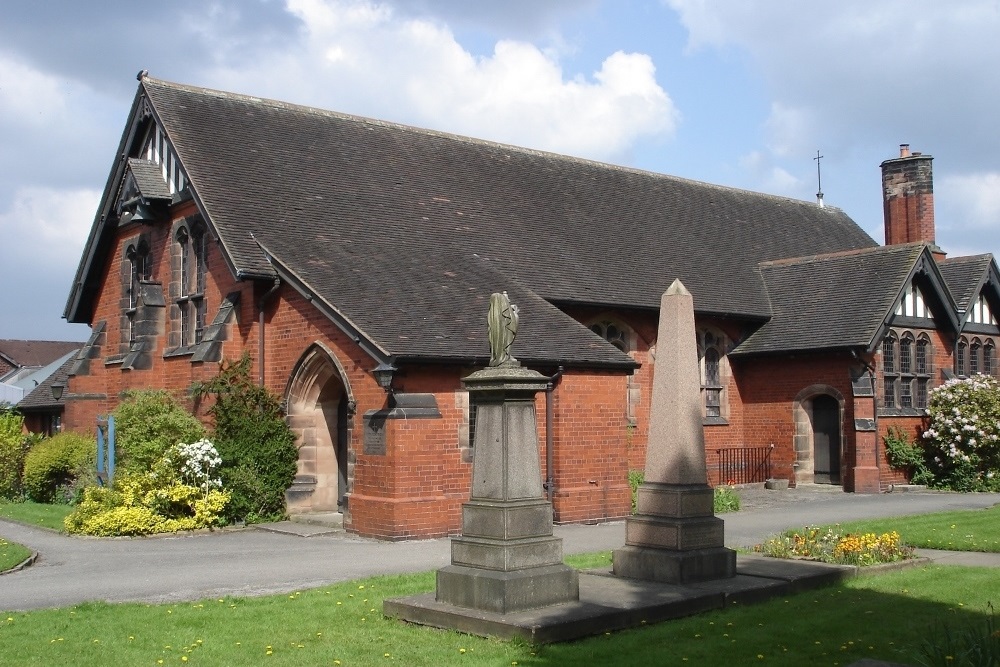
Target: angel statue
(502,328)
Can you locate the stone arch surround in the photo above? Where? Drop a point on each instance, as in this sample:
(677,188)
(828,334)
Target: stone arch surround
(802,415)
(320,408)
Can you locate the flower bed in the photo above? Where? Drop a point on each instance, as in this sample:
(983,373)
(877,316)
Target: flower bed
(830,546)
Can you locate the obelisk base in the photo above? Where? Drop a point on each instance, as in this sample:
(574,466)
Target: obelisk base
(674,537)
(506,592)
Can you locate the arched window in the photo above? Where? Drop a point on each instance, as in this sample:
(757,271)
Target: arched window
(922,371)
(905,382)
(190,278)
(961,358)
(138,269)
(890,371)
(712,360)
(975,355)
(624,339)
(906,370)
(612,333)
(989,356)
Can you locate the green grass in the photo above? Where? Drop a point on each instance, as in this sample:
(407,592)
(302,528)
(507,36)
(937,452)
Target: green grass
(46,516)
(962,530)
(11,554)
(884,617)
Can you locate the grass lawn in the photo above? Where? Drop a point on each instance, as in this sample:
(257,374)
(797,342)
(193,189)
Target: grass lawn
(885,616)
(46,516)
(11,554)
(963,530)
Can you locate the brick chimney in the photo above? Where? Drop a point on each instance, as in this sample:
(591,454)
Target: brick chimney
(908,199)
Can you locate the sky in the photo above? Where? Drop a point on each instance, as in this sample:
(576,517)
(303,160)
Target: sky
(736,93)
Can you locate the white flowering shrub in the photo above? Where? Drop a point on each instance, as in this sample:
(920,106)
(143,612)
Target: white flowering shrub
(197,463)
(962,440)
(181,492)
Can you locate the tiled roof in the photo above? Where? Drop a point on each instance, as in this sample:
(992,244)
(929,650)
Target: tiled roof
(838,300)
(149,177)
(376,216)
(35,353)
(965,276)
(40,398)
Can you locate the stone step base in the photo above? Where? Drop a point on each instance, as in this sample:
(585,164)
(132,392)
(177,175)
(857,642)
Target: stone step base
(329,519)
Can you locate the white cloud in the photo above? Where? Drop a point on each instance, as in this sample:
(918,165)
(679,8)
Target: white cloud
(913,68)
(49,225)
(361,57)
(769,177)
(974,199)
(29,99)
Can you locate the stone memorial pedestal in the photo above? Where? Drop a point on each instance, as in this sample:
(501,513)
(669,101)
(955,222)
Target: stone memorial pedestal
(675,536)
(506,559)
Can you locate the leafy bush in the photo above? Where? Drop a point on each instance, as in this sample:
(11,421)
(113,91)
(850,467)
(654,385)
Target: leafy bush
(147,424)
(259,457)
(13,448)
(53,467)
(905,454)
(179,493)
(635,478)
(725,498)
(962,441)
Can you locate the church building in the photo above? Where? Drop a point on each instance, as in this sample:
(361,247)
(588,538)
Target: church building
(354,259)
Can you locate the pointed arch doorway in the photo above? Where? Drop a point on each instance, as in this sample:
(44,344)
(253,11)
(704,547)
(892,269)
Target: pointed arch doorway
(826,439)
(320,410)
(818,415)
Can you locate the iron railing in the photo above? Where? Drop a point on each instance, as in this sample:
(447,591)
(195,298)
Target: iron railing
(744,465)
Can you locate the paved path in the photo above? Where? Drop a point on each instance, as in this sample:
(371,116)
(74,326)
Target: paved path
(71,570)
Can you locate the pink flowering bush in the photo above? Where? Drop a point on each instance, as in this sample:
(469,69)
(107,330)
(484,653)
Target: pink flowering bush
(962,441)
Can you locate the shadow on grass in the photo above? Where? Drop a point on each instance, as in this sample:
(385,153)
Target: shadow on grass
(885,617)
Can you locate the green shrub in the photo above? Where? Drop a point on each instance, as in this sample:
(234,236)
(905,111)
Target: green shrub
(13,448)
(962,441)
(905,454)
(179,493)
(53,466)
(635,478)
(259,457)
(147,424)
(725,498)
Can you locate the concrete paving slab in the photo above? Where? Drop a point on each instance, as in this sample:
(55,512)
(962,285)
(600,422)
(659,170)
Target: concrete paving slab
(609,603)
(299,528)
(799,574)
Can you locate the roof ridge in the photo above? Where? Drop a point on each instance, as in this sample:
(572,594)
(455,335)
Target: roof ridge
(805,259)
(562,157)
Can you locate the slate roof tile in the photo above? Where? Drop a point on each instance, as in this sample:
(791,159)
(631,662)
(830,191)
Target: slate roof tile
(374,213)
(838,300)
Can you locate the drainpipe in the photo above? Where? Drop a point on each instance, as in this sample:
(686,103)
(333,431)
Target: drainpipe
(550,386)
(261,303)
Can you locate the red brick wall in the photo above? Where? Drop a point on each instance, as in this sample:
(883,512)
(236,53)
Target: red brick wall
(913,426)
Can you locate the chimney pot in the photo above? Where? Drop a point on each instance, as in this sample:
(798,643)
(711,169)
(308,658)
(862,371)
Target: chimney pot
(904,150)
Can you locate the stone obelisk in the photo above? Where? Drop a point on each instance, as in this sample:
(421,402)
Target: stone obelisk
(675,536)
(506,558)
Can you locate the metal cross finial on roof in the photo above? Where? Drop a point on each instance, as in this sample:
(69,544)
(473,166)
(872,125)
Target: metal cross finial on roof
(819,180)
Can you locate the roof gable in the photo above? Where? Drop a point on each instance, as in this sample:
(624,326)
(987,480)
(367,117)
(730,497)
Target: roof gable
(845,300)
(975,283)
